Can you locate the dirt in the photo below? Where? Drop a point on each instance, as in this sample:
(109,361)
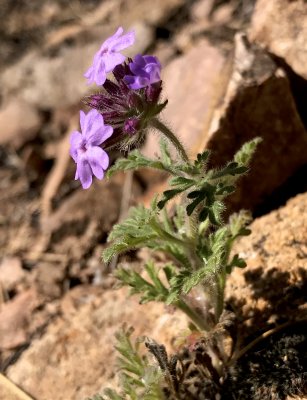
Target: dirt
(57,303)
(275,369)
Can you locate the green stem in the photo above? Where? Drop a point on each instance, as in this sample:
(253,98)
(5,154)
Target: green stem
(220,290)
(195,318)
(156,123)
(221,283)
(169,237)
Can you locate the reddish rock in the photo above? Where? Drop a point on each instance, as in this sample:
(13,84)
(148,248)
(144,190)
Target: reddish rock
(11,272)
(272,288)
(14,319)
(257,101)
(75,357)
(189,87)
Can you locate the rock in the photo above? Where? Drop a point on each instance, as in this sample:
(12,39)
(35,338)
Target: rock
(14,319)
(201,9)
(188,86)
(51,367)
(11,272)
(280,26)
(19,123)
(87,215)
(144,37)
(256,101)
(50,82)
(49,279)
(9,391)
(273,286)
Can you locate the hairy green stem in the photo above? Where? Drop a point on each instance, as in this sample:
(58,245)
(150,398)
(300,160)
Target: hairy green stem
(221,283)
(220,290)
(156,123)
(195,318)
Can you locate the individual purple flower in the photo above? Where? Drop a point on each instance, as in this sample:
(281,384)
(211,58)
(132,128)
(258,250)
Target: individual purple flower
(146,71)
(89,157)
(109,56)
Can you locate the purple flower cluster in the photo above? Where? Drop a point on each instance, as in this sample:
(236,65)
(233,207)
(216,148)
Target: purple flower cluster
(120,113)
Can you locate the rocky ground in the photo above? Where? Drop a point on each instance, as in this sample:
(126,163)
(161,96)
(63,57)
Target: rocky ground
(232,70)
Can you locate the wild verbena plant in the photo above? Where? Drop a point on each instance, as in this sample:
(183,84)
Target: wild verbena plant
(185,223)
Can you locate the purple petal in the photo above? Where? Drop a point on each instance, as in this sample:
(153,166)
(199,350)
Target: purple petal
(99,75)
(100,135)
(75,141)
(89,75)
(82,120)
(137,70)
(98,160)
(140,60)
(88,121)
(75,138)
(152,60)
(108,42)
(96,73)
(95,132)
(121,43)
(135,82)
(84,173)
(111,60)
(154,72)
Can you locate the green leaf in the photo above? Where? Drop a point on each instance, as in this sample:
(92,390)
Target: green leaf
(201,159)
(232,169)
(191,207)
(182,182)
(238,223)
(244,155)
(194,194)
(151,289)
(138,379)
(167,195)
(235,262)
(225,190)
(134,232)
(215,213)
(136,160)
(203,215)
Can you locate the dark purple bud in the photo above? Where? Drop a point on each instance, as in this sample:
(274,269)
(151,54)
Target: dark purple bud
(93,100)
(124,88)
(153,91)
(131,125)
(112,88)
(99,101)
(111,116)
(120,71)
(134,100)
